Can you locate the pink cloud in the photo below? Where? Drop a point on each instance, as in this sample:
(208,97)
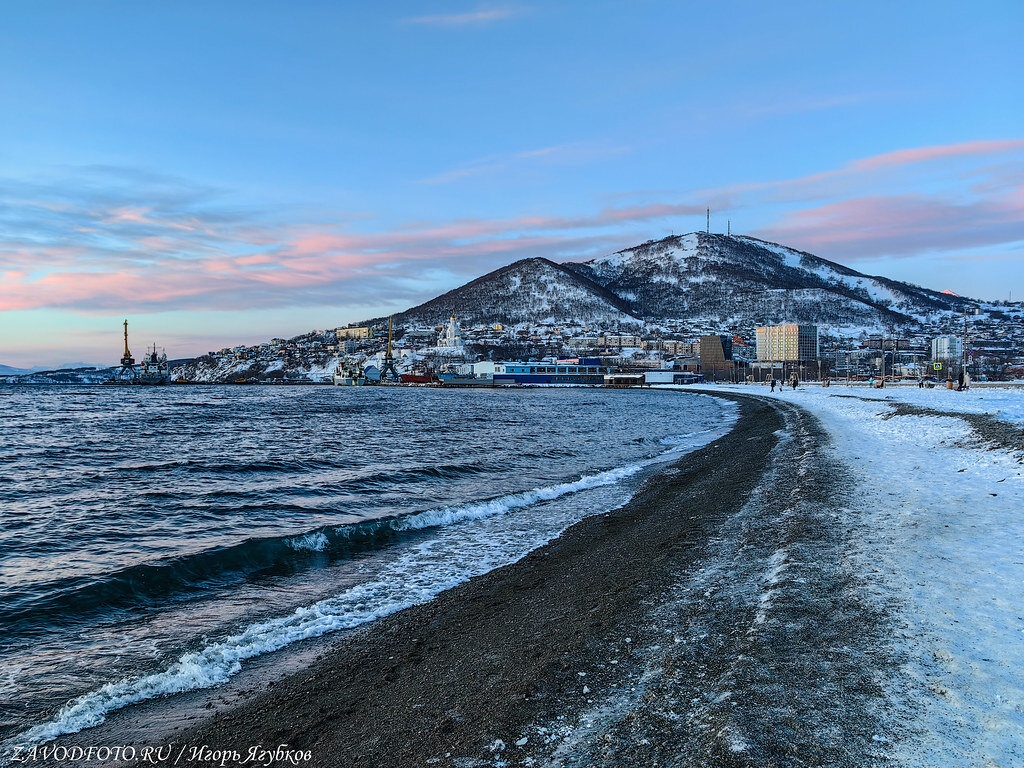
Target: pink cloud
(311,261)
(254,260)
(133,215)
(899,225)
(134,257)
(805,186)
(924,154)
(481,15)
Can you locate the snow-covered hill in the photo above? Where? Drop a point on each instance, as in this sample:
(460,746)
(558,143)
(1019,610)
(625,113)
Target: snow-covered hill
(10,370)
(743,279)
(209,370)
(87,375)
(529,291)
(730,280)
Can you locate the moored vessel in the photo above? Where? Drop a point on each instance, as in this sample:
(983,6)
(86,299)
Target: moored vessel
(568,371)
(349,374)
(418,374)
(152,369)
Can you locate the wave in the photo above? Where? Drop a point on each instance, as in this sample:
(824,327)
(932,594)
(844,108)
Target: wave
(283,466)
(149,583)
(505,504)
(145,583)
(349,481)
(311,542)
(217,662)
(415,578)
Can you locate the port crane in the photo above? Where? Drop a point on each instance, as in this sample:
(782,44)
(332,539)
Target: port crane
(388,370)
(127,371)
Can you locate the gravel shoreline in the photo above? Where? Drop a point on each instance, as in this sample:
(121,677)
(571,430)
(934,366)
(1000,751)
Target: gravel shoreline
(709,621)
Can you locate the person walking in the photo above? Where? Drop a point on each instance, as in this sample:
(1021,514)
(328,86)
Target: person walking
(773,383)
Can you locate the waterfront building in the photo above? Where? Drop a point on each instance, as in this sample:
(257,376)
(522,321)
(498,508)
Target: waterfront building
(584,342)
(482,369)
(716,356)
(362,332)
(621,340)
(787,343)
(947,348)
(671,376)
(786,349)
(674,347)
(605,341)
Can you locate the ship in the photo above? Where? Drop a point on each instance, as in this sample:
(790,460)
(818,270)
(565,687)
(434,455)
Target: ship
(349,374)
(567,371)
(151,370)
(418,374)
(454,375)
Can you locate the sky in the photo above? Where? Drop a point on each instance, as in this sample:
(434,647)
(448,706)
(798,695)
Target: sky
(223,173)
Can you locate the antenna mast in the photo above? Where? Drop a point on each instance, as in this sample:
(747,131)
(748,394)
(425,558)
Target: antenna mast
(728,228)
(709,221)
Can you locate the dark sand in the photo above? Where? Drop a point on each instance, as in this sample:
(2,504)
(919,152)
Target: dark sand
(710,621)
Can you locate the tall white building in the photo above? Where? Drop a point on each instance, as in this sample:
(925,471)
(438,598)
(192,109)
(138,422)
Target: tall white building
(947,348)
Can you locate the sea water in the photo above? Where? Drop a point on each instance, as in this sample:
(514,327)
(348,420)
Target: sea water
(154,539)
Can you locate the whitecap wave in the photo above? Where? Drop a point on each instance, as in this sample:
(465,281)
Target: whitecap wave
(311,542)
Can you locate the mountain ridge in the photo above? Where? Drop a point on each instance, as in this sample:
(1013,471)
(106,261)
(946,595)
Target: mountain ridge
(730,279)
(554,292)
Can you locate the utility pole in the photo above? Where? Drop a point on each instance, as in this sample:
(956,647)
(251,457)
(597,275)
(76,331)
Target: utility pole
(881,350)
(895,346)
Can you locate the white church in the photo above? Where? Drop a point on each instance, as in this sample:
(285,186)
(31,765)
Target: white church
(450,337)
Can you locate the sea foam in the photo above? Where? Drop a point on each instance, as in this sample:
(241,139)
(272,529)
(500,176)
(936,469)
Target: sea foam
(310,542)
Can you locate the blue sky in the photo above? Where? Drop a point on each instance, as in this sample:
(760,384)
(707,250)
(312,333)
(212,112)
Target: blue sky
(226,172)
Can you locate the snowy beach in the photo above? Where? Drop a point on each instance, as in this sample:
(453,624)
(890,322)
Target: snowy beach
(936,510)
